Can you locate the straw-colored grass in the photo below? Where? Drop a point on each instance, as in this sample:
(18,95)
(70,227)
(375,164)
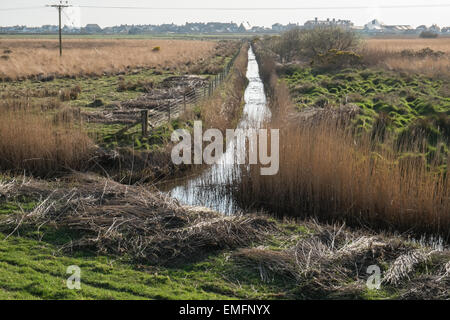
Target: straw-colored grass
(397,45)
(223,109)
(328,172)
(30,57)
(325,172)
(388,53)
(32,141)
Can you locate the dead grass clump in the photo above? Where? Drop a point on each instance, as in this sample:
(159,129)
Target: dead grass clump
(119,219)
(332,262)
(68,94)
(404,265)
(31,141)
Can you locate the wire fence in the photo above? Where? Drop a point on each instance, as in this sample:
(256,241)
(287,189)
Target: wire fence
(170,109)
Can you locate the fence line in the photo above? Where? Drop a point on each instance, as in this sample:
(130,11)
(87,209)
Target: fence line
(173,109)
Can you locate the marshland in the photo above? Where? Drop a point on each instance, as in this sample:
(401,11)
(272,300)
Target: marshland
(363,176)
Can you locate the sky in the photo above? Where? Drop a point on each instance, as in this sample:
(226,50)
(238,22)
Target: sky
(77,16)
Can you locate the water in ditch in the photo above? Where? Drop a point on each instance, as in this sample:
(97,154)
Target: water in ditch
(211,188)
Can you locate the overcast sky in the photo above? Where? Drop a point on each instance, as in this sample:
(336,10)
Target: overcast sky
(109,17)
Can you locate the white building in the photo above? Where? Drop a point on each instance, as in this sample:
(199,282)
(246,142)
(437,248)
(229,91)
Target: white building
(376,26)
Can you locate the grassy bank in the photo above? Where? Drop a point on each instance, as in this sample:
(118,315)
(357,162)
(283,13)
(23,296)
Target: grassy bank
(170,252)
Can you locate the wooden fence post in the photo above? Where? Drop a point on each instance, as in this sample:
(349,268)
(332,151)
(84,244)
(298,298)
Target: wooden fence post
(168,111)
(184,101)
(144,122)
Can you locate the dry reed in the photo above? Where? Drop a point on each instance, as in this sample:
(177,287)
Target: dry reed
(388,54)
(33,141)
(131,220)
(326,172)
(96,57)
(223,109)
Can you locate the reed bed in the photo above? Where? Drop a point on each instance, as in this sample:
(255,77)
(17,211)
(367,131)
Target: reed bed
(39,143)
(327,173)
(26,58)
(394,54)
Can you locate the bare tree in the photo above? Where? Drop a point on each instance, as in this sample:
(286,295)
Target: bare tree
(311,43)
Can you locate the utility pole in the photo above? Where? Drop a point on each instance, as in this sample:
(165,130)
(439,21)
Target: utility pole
(60,7)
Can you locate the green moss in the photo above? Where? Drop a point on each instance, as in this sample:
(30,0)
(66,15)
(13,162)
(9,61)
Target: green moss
(17,205)
(409,101)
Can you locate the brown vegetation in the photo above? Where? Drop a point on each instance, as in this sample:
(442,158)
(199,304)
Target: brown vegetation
(110,217)
(329,172)
(32,140)
(223,109)
(320,261)
(395,54)
(333,262)
(299,43)
(95,57)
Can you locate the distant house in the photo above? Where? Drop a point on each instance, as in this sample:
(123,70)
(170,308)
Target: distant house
(421,28)
(241,28)
(311,24)
(375,26)
(434,28)
(445,30)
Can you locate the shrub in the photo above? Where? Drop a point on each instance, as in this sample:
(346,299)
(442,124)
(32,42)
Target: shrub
(288,45)
(312,43)
(156,49)
(428,35)
(336,59)
(322,40)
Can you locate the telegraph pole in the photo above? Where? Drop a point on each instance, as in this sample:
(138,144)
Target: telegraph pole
(60,7)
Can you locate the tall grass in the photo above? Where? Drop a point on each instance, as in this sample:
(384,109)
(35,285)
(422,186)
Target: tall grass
(94,57)
(387,53)
(31,140)
(328,173)
(222,111)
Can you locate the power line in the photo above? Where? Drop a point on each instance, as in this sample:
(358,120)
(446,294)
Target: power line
(271,9)
(442,5)
(21,8)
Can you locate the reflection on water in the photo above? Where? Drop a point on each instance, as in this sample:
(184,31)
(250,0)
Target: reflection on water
(211,188)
